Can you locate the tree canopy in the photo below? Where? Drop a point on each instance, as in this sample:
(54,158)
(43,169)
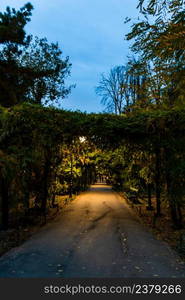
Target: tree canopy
(159,40)
(31,69)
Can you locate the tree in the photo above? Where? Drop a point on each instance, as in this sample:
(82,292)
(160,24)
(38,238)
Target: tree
(12,35)
(126,88)
(49,70)
(12,24)
(159,40)
(111,90)
(137,87)
(32,70)
(156,7)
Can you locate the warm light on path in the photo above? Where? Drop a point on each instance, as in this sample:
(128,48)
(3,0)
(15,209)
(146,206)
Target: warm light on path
(96,236)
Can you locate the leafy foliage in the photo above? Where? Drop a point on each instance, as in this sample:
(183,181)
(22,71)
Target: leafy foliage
(46,154)
(159,39)
(31,70)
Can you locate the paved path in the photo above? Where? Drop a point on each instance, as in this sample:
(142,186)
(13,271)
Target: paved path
(97,235)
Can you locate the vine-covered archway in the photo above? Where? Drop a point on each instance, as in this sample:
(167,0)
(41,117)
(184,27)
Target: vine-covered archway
(45,151)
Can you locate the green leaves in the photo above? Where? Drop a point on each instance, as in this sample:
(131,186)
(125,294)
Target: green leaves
(31,70)
(159,40)
(12,24)
(123,147)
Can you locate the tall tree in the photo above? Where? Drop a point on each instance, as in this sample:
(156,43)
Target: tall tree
(110,89)
(137,74)
(12,24)
(32,70)
(46,81)
(12,35)
(159,39)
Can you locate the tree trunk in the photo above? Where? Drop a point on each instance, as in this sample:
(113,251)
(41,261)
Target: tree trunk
(4,204)
(149,207)
(158,181)
(175,208)
(46,175)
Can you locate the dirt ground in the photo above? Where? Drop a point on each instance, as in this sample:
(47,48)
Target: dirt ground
(16,235)
(162,226)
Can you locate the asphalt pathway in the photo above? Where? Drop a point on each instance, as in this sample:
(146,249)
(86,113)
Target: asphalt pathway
(97,235)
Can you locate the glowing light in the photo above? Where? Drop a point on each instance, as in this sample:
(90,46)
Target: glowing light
(82,139)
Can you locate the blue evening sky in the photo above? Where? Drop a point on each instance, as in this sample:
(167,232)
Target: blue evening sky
(90,32)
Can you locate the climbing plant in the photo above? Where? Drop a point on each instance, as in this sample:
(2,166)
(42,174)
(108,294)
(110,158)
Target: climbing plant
(45,151)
